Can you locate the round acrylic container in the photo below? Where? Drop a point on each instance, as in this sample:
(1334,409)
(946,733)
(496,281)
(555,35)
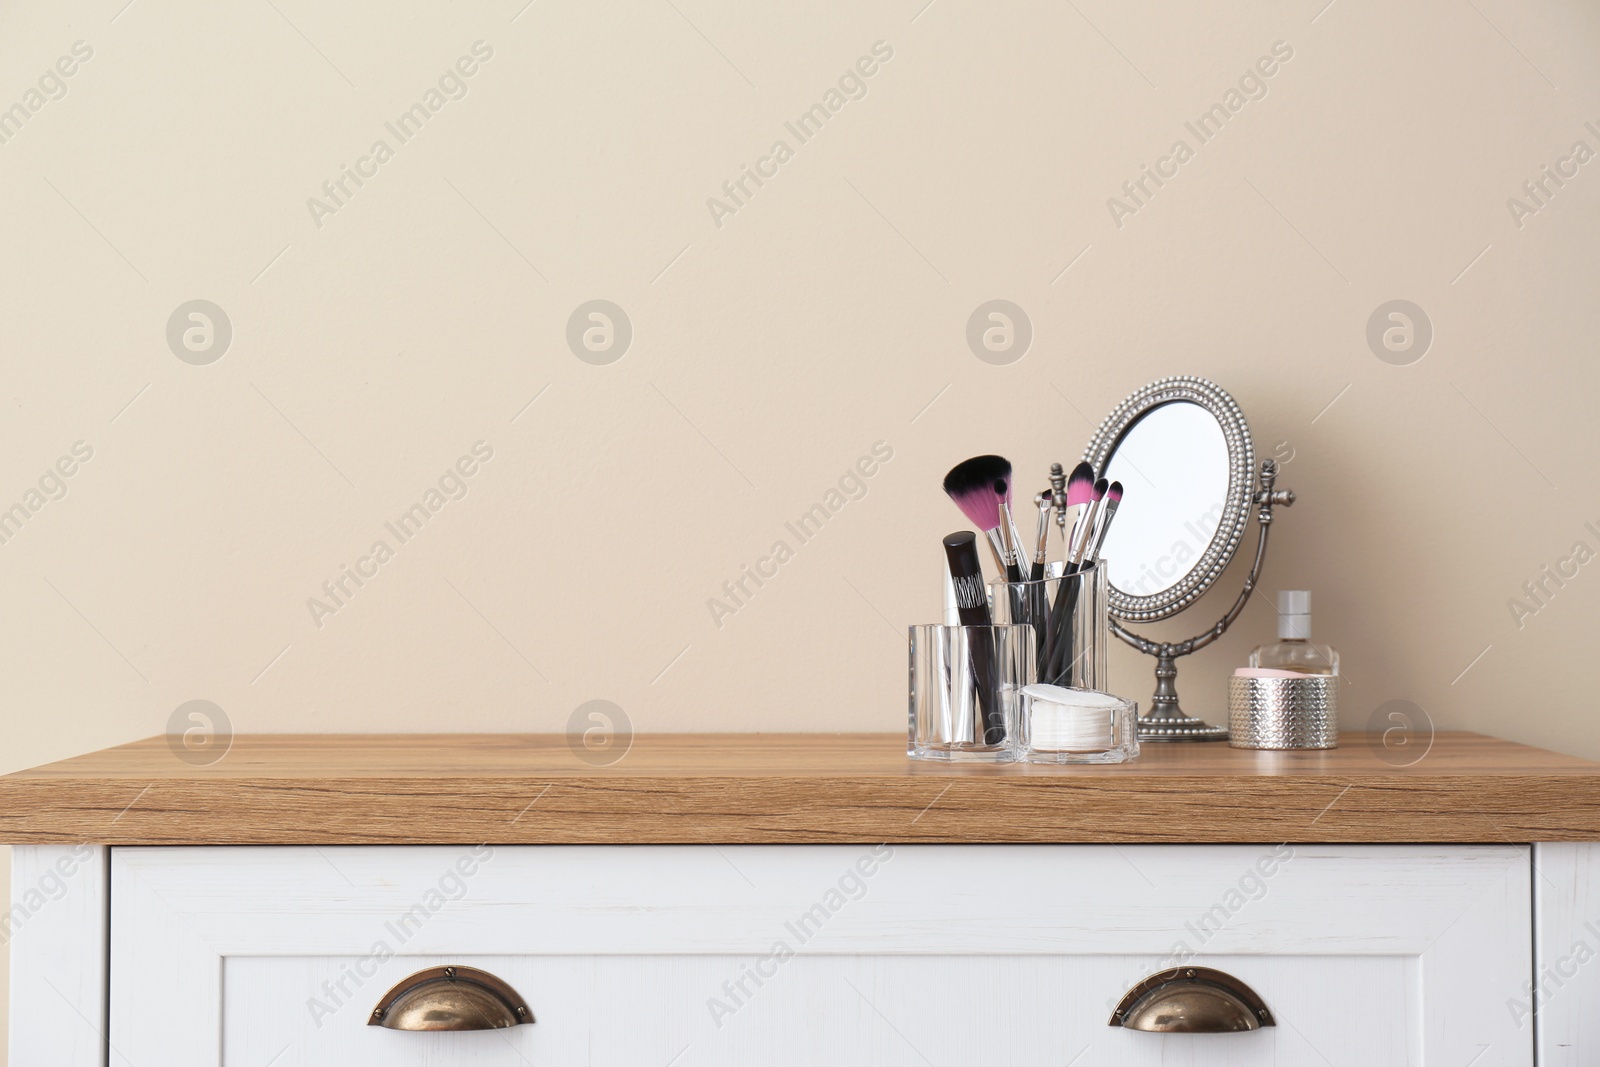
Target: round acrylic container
(964,688)
(1074,725)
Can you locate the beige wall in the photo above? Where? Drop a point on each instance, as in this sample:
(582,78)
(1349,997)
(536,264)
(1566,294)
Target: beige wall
(769,352)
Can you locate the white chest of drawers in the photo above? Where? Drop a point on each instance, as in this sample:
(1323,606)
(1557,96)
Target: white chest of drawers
(856,953)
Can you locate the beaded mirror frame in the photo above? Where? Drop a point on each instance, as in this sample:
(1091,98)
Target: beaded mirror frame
(1211,563)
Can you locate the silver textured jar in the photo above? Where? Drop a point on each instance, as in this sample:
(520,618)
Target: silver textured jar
(1284,713)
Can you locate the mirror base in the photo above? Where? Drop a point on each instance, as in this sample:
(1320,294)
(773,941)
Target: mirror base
(1166,720)
(1180,728)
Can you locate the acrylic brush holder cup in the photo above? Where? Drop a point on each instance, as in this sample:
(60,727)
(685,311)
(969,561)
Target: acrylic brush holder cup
(965,686)
(1068,617)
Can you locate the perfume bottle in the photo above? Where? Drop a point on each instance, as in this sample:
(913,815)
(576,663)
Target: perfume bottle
(1293,651)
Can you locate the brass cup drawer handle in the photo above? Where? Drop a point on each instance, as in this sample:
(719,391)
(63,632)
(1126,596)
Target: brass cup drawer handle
(1192,1000)
(450,998)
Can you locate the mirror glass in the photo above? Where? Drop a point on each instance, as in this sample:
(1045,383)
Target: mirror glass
(1173,465)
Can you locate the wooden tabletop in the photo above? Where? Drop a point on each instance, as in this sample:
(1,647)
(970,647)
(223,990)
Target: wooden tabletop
(792,788)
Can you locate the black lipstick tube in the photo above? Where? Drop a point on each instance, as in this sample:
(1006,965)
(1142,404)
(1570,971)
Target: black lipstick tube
(972,603)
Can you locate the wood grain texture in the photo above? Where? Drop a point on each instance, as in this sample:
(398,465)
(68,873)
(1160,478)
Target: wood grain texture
(794,788)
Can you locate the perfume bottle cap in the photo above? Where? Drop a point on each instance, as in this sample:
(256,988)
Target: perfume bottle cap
(1294,614)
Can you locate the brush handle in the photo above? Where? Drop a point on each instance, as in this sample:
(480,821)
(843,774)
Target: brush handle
(1057,666)
(1062,662)
(1081,548)
(997,544)
(1104,527)
(1004,554)
(1041,545)
(1059,661)
(1071,541)
(1032,605)
(1018,559)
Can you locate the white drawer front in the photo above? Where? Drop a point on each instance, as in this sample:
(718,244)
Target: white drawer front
(888,1011)
(847,955)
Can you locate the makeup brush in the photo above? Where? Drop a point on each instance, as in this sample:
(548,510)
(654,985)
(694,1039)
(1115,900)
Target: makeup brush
(1030,603)
(1081,550)
(1113,501)
(1002,489)
(1045,502)
(971,484)
(1080,491)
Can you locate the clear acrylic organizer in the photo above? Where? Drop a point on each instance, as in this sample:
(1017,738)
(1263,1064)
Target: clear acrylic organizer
(1068,617)
(1072,725)
(965,689)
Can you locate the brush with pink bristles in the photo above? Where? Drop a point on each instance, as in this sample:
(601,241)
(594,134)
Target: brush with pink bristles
(981,488)
(1109,512)
(1080,493)
(1080,551)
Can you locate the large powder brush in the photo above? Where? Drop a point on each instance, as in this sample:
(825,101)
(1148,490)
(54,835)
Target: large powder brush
(981,488)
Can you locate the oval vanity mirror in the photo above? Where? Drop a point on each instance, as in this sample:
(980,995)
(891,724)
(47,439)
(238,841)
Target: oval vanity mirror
(1182,451)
